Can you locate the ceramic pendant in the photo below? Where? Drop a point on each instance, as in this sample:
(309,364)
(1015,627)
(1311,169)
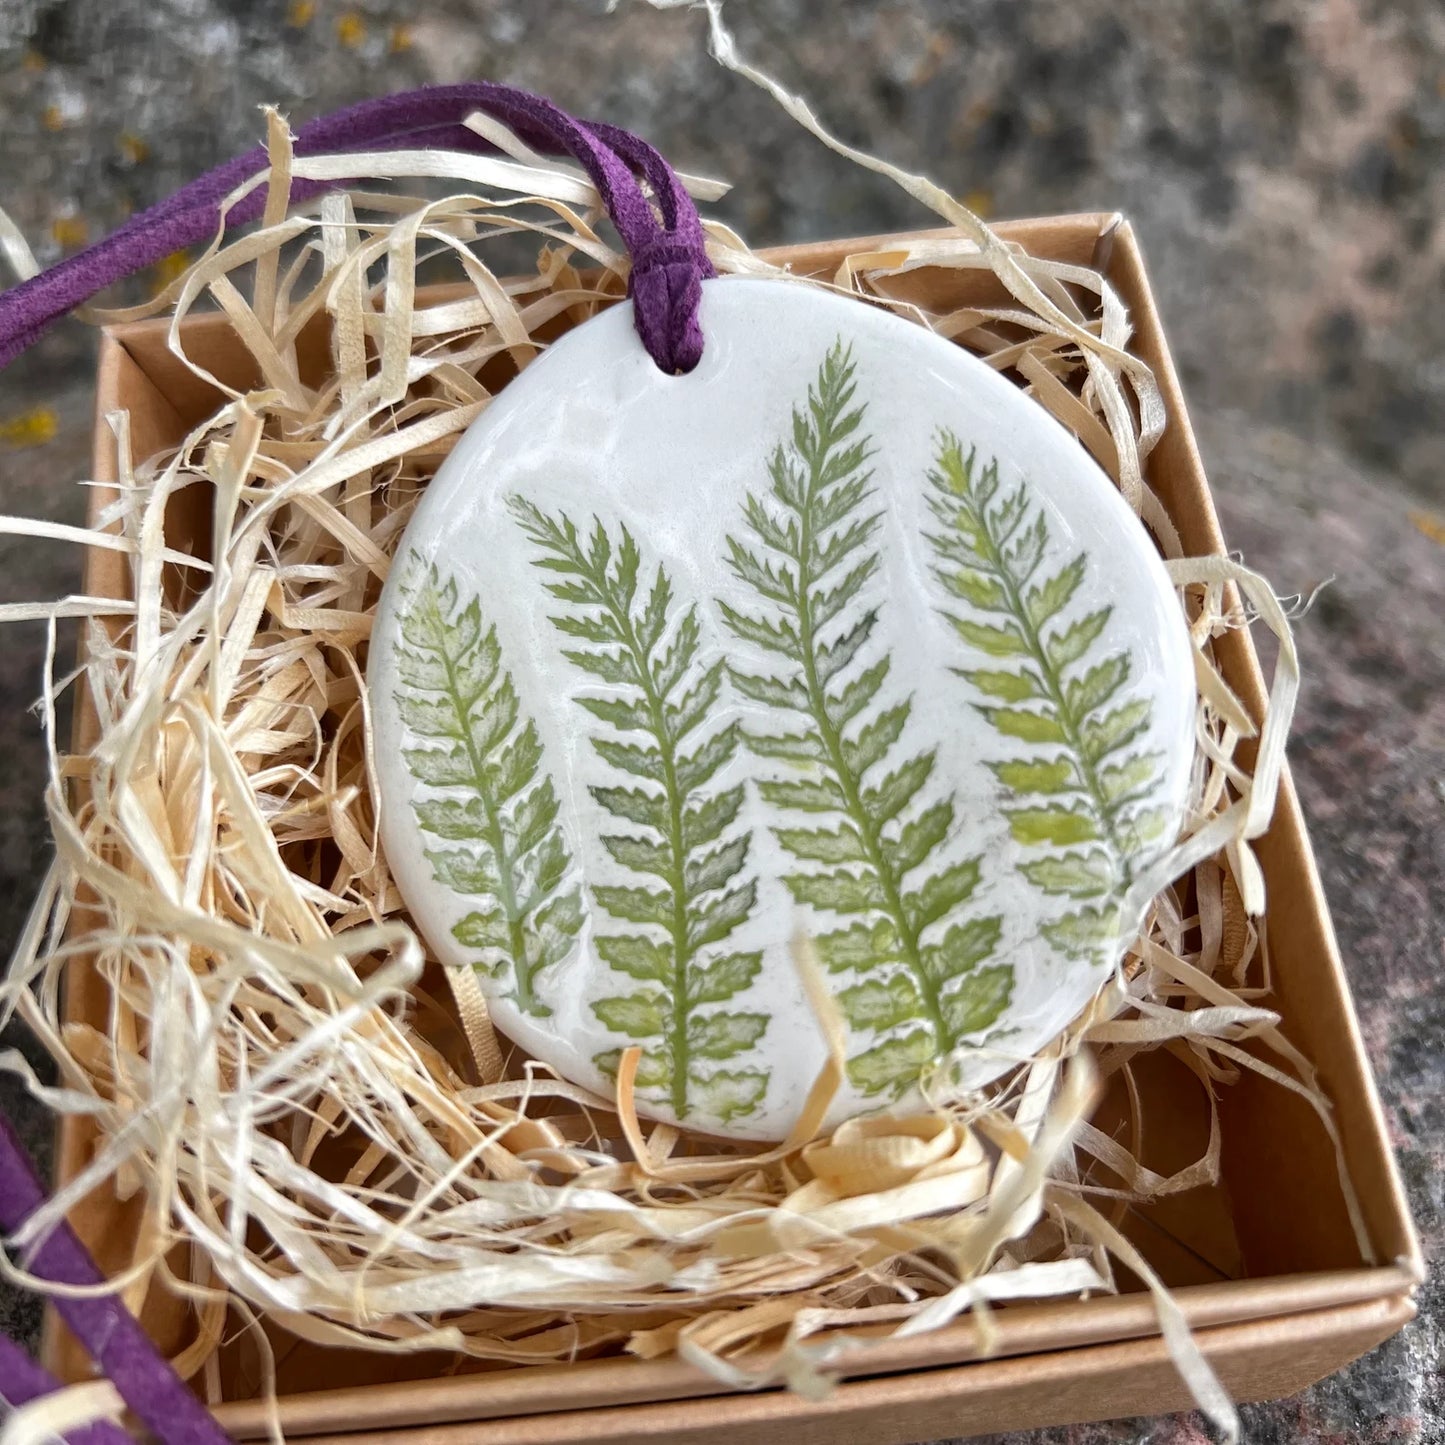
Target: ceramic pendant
(839,632)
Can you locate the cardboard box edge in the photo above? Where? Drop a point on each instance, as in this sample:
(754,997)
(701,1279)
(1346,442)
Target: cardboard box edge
(1106,1381)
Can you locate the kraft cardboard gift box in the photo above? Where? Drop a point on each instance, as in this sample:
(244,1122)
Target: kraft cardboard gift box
(1265,1266)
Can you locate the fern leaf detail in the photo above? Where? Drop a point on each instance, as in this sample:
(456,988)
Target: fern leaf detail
(682,840)
(866,825)
(1079,796)
(489,806)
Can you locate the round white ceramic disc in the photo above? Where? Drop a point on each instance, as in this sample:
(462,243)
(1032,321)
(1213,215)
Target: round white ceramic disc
(839,633)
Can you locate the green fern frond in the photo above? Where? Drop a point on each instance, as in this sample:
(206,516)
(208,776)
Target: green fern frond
(661,693)
(870,835)
(481,763)
(1081,799)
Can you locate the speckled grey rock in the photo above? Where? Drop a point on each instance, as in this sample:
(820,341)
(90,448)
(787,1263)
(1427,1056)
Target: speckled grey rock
(1283,164)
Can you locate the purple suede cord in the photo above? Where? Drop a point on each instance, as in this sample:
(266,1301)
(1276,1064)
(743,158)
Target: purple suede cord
(669,262)
(22,1380)
(117,1344)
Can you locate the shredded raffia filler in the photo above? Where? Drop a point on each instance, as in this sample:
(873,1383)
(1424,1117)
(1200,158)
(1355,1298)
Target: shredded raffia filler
(281,1078)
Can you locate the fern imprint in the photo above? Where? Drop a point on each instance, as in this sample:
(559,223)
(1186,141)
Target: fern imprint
(1083,798)
(921,980)
(662,693)
(482,765)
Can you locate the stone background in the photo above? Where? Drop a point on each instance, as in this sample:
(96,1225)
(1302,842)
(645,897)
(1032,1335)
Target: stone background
(1284,164)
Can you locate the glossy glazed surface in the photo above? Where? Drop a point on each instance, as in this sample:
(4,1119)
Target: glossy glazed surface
(840,632)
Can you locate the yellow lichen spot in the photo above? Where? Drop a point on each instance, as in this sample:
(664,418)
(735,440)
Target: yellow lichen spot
(133,148)
(401,39)
(976,112)
(34,61)
(168,268)
(934,54)
(69,230)
(350,29)
(979,202)
(301,14)
(31,428)
(52,118)
(1430,526)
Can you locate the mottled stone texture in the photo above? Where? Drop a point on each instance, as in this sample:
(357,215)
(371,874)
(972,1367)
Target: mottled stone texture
(1283,164)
